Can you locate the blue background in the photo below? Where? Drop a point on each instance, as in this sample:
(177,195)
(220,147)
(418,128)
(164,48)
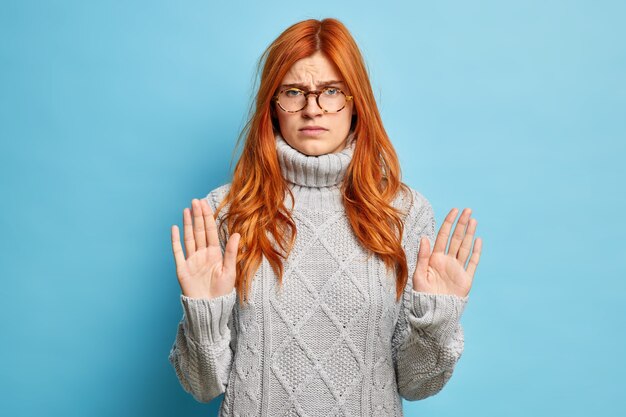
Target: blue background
(115,114)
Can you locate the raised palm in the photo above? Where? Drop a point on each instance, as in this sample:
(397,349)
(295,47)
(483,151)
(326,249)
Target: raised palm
(445,273)
(204,272)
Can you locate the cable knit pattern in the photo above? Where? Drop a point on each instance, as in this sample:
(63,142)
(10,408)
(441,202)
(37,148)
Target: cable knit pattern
(332,341)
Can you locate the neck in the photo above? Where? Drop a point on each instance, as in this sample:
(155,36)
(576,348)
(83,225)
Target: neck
(315,181)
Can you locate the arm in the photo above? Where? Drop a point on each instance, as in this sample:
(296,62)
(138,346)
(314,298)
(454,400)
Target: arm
(205,342)
(203,351)
(428,338)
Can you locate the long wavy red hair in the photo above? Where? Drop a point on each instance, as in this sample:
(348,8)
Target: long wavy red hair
(373,178)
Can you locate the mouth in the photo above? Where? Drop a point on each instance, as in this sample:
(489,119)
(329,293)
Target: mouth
(311,128)
(312,131)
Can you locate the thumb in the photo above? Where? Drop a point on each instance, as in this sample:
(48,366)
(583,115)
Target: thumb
(422,259)
(230,254)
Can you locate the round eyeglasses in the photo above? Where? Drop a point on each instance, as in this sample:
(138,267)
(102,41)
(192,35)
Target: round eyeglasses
(329,99)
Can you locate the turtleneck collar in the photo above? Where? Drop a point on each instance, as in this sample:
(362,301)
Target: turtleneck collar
(303,170)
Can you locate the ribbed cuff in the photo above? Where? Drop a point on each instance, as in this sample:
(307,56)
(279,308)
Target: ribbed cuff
(206,320)
(437,314)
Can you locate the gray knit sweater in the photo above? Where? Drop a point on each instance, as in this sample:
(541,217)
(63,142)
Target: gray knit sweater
(332,341)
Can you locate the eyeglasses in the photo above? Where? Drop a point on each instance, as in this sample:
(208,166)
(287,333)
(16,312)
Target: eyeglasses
(329,99)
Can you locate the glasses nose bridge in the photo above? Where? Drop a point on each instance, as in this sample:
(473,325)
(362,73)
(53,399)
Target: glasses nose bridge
(316,93)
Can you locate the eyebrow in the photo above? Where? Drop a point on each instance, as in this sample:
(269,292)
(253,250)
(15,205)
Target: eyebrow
(323,83)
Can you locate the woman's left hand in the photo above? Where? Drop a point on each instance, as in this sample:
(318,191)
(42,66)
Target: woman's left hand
(445,273)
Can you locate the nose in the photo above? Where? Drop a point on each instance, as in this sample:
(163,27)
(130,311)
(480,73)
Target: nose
(311,109)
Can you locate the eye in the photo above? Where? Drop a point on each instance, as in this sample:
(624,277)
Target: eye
(331,91)
(293,92)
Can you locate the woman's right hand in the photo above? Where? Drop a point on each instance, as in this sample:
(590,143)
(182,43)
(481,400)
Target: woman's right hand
(205,273)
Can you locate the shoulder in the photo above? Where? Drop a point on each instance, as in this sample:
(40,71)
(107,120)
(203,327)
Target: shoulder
(419,219)
(216,195)
(413,204)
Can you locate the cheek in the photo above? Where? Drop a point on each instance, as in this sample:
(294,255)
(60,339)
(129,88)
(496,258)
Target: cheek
(286,120)
(346,118)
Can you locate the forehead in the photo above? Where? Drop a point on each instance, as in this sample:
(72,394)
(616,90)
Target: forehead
(312,70)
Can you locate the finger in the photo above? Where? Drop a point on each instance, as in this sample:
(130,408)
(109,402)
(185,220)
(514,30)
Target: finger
(466,245)
(422,259)
(459,232)
(190,241)
(209,224)
(230,254)
(198,224)
(177,249)
(444,233)
(473,262)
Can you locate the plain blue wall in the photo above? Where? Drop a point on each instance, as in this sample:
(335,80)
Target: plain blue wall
(115,114)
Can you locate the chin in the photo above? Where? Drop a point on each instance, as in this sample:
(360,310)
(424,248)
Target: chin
(312,149)
(312,146)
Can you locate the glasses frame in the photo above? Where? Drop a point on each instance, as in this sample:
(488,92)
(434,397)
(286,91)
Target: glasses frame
(316,93)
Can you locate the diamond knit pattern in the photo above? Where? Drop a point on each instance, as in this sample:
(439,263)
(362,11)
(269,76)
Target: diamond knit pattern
(331,340)
(321,311)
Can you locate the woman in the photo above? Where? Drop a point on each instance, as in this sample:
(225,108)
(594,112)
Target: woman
(318,236)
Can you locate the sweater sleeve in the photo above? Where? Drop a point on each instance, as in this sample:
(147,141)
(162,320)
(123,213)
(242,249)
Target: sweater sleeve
(205,343)
(203,350)
(428,338)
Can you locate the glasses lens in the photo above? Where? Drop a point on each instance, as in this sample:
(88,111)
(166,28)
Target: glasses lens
(330,99)
(292,99)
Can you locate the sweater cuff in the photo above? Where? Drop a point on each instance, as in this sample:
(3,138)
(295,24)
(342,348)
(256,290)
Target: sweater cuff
(206,320)
(437,314)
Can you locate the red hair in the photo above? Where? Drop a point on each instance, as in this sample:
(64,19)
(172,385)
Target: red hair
(257,191)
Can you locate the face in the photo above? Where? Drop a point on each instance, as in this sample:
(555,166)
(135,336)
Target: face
(312,73)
